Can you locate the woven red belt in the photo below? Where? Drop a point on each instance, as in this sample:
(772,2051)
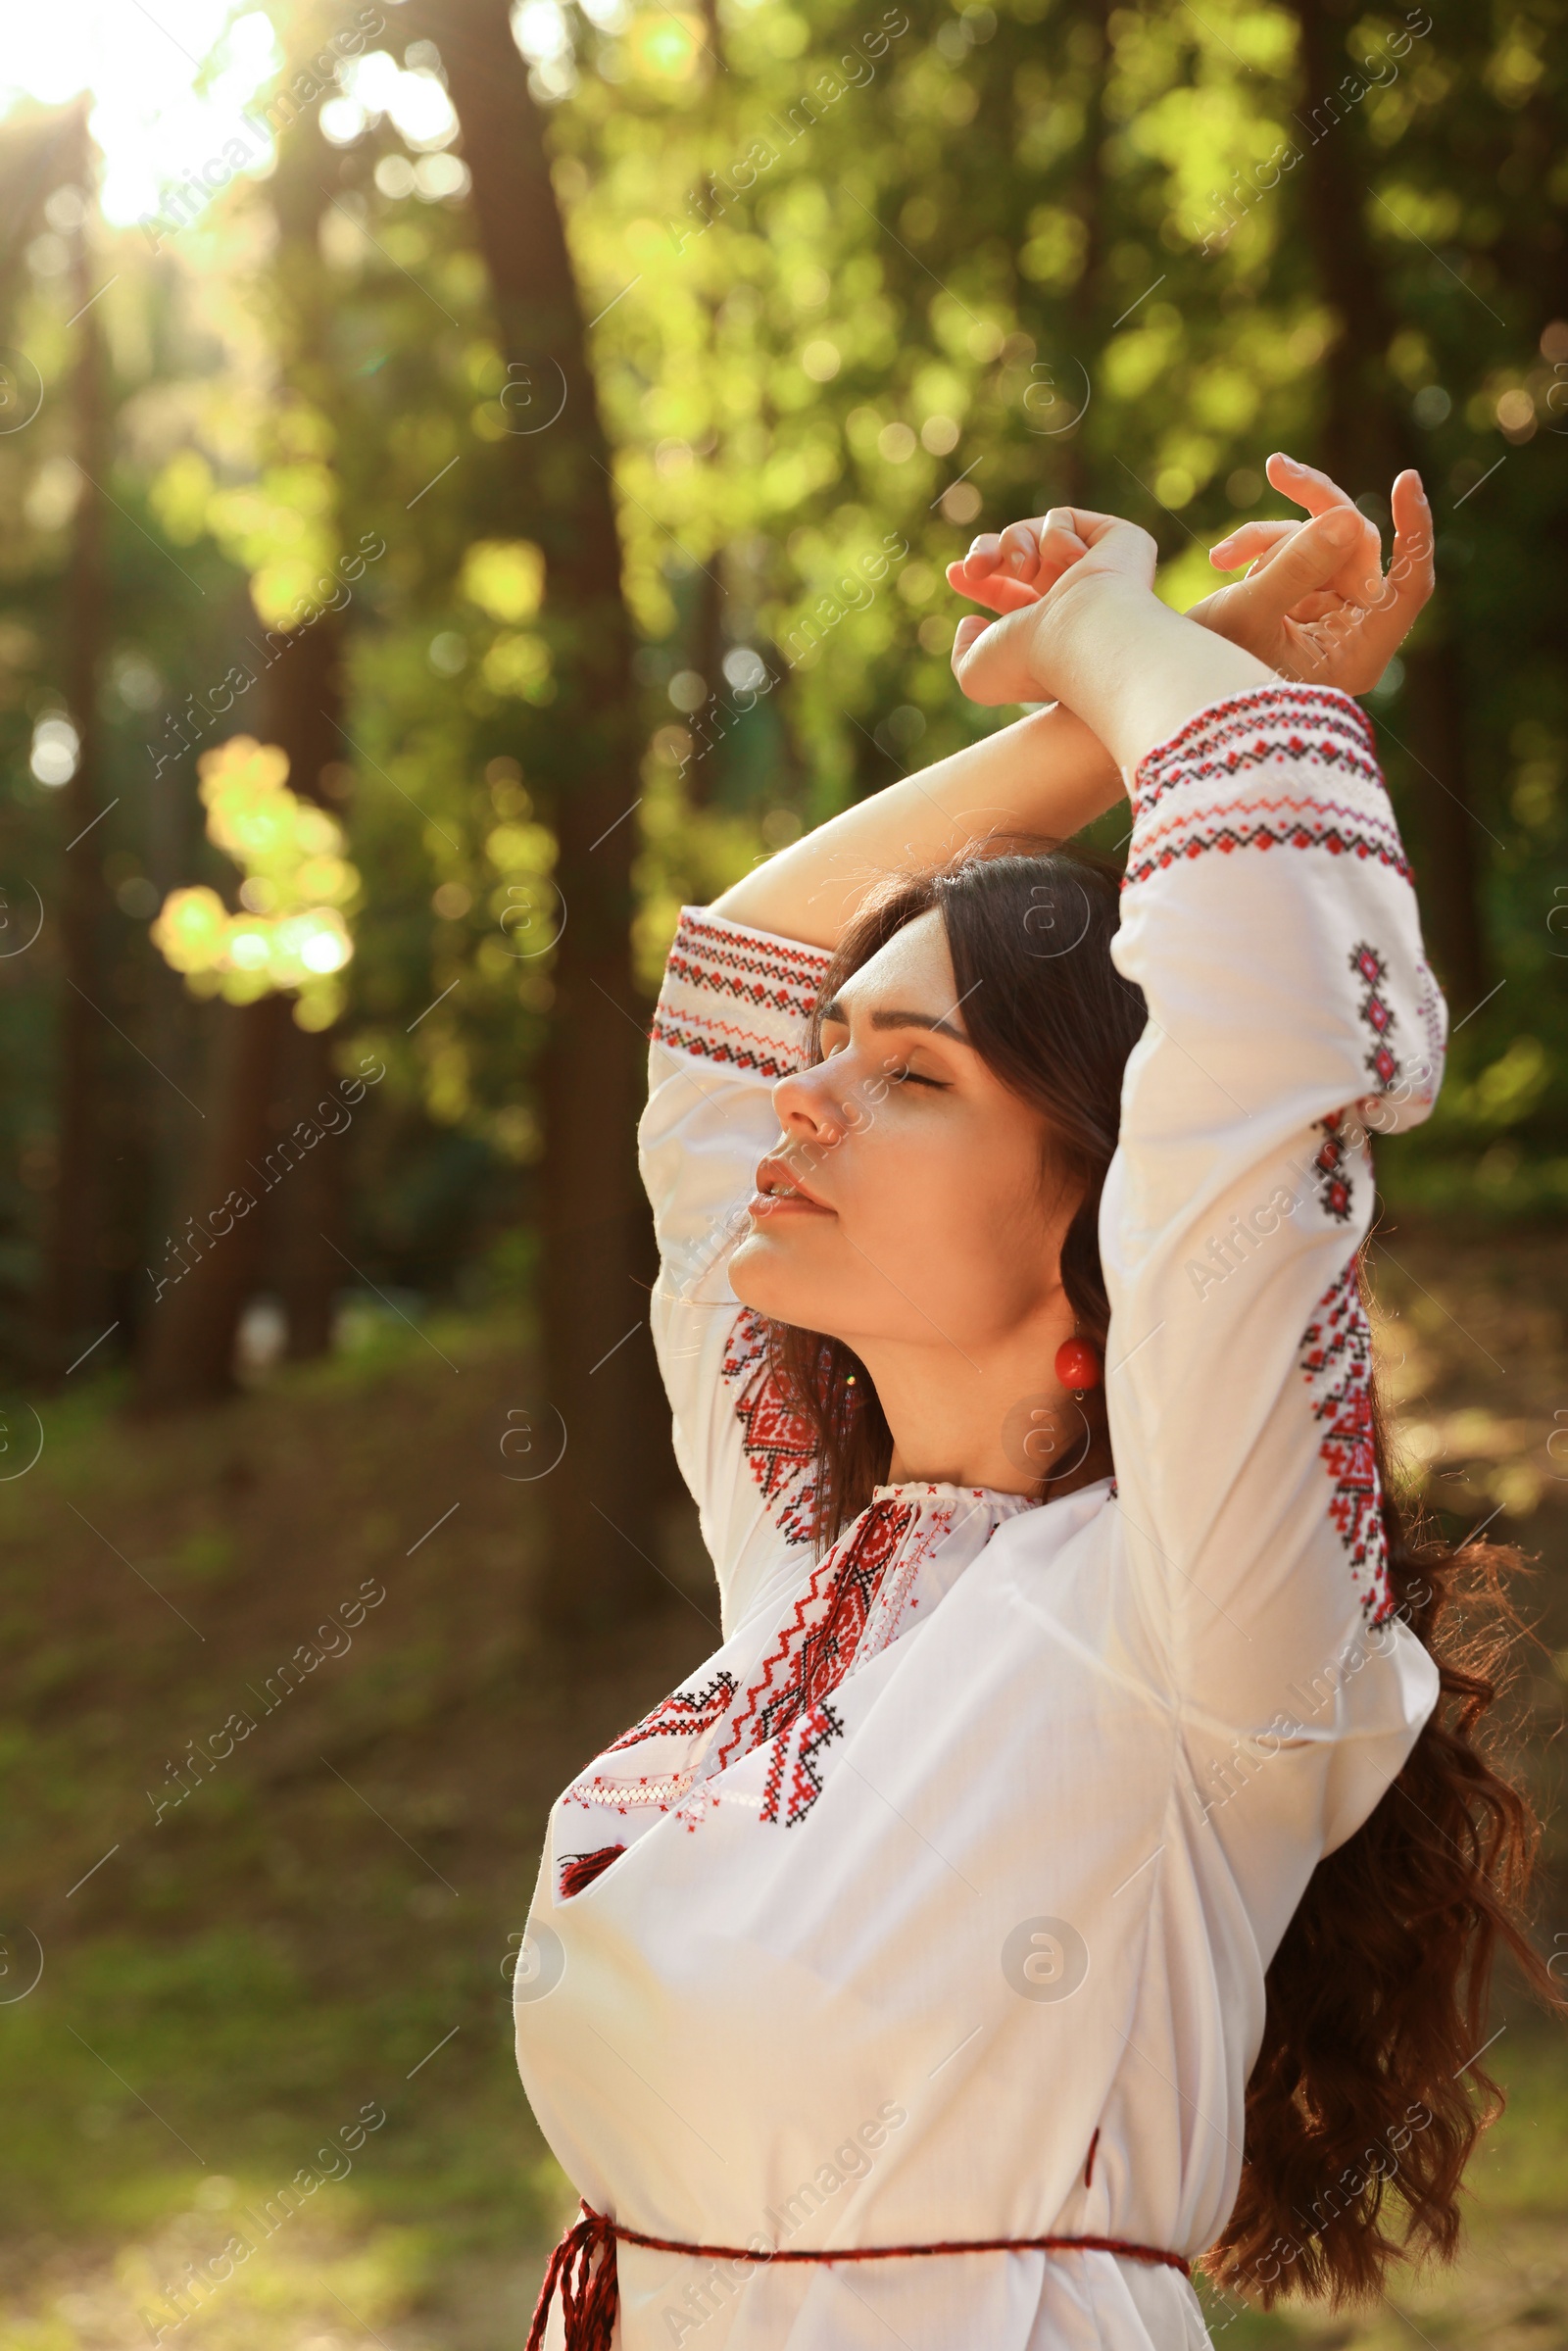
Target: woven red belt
(590,2295)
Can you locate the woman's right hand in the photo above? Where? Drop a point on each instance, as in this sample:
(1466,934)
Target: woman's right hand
(1069,552)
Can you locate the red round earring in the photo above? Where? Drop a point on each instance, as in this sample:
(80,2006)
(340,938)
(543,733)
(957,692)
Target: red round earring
(1077,1364)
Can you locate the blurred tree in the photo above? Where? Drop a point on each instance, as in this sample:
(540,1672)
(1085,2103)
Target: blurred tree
(594,1229)
(268,1074)
(78,1281)
(51,175)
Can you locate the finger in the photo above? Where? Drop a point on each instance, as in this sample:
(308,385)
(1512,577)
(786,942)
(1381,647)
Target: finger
(1412,572)
(991,659)
(1018,549)
(997,593)
(1302,566)
(1060,546)
(1249,543)
(971,628)
(1321,493)
(1410,580)
(971,572)
(1305,485)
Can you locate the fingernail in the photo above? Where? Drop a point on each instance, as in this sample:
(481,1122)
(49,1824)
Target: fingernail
(1341,528)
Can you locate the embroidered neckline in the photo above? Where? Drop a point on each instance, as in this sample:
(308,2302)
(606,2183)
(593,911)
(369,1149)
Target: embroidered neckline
(920,1490)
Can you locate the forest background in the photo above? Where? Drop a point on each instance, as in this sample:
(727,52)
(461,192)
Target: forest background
(471,480)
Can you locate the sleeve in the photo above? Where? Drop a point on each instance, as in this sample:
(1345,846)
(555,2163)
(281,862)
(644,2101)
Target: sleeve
(732,1018)
(1270,920)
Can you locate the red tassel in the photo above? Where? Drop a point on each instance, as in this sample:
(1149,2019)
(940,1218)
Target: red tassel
(589,2295)
(581,1869)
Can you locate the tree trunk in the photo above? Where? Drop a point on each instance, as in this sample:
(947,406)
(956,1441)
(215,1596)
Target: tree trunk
(304,703)
(1366,439)
(189,1348)
(600,1375)
(77,1283)
(310,1218)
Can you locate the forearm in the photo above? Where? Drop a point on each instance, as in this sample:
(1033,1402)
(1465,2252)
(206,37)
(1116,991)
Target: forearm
(1134,671)
(1046,774)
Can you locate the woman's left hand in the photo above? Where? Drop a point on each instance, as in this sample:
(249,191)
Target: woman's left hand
(1341,631)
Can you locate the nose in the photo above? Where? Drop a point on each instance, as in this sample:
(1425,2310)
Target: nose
(809,1109)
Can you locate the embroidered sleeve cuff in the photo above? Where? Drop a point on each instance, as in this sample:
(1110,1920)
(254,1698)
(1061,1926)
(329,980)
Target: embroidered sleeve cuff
(1284,767)
(738,997)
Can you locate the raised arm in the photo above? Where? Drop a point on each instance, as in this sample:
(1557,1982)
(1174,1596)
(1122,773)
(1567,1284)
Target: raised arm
(1270,921)
(1133,670)
(1047,774)
(1315,606)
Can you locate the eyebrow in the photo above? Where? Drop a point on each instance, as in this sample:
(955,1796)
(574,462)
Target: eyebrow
(890,1018)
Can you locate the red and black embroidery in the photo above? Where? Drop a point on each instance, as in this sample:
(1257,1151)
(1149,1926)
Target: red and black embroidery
(579,1870)
(1272,723)
(793,1781)
(1334,1190)
(1287,823)
(1336,1361)
(815,1649)
(1376,1012)
(1292,730)
(780,1443)
(683,1714)
(737,997)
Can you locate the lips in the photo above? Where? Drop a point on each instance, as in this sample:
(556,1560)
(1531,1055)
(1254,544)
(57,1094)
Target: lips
(778,1192)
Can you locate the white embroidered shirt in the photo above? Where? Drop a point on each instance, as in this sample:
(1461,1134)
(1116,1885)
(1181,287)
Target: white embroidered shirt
(936,1905)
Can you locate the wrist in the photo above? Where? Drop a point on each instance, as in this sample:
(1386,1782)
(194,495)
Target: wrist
(1069,746)
(1133,668)
(1074,618)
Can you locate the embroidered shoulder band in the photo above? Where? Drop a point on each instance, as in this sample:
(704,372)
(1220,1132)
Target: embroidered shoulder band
(582,2268)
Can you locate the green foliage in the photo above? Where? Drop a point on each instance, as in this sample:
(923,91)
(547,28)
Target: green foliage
(863,279)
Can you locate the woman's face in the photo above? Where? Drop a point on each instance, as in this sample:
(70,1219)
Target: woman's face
(908,1199)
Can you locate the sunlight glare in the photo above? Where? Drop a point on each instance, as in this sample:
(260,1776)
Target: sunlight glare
(142,65)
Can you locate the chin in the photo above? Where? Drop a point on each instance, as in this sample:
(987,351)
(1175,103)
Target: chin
(763,1277)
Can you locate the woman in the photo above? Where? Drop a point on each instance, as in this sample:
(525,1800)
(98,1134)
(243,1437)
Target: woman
(900,1978)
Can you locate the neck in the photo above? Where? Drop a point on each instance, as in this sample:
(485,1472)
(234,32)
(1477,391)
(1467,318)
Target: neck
(993,1416)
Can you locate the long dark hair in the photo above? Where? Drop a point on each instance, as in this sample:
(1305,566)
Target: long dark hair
(1368,2096)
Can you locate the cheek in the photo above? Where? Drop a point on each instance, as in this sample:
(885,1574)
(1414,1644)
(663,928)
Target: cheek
(940,1222)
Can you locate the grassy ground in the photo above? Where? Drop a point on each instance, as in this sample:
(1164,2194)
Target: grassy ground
(295,1973)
